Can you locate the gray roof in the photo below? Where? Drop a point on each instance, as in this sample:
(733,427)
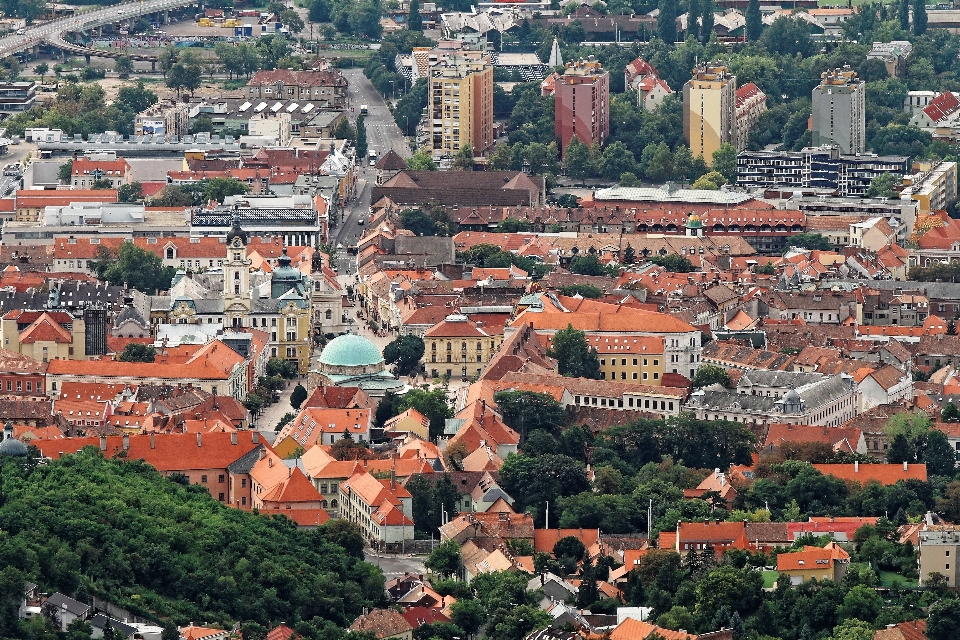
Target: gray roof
(816,391)
(100,621)
(934,290)
(778,379)
(130,313)
(245,463)
(66,603)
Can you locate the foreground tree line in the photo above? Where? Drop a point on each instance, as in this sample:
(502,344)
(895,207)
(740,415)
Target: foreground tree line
(168,551)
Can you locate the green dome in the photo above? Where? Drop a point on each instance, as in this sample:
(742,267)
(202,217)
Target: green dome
(350,350)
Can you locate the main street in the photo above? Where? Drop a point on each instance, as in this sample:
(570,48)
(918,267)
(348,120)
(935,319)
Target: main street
(383,133)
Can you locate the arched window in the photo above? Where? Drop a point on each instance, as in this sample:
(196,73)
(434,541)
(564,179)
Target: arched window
(329,314)
(169,253)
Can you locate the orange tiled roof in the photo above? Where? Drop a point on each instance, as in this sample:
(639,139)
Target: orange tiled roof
(885,474)
(811,557)
(45,329)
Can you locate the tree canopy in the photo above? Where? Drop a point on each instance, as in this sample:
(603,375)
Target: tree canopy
(135,267)
(575,358)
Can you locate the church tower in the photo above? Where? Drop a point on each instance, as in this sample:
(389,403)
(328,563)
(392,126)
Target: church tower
(236,276)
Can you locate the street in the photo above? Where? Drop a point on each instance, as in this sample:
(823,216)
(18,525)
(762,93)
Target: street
(383,133)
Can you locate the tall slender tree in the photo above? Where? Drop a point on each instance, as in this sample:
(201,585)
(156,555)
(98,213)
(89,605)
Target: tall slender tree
(919,17)
(754,21)
(693,19)
(706,22)
(903,14)
(361,139)
(415,20)
(667,21)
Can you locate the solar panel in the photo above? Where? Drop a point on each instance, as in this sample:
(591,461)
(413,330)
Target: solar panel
(244,107)
(276,107)
(292,107)
(260,107)
(307,108)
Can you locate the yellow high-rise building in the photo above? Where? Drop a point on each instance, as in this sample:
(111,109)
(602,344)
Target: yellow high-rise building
(709,110)
(460,106)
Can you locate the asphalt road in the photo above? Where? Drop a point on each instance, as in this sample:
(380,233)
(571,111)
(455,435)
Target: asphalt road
(383,133)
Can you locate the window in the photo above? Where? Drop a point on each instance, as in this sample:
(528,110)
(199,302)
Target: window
(323,488)
(220,497)
(222,479)
(243,483)
(243,500)
(203,479)
(9,385)
(19,385)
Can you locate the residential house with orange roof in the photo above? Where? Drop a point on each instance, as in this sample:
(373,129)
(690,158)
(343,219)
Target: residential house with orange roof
(410,421)
(386,624)
(618,326)
(885,474)
(214,367)
(324,397)
(886,385)
(282,631)
(483,459)
(699,536)
(203,458)
(846,440)
(478,425)
(280,486)
(202,633)
(323,426)
(87,171)
(495,526)
(44,335)
(382,509)
(633,629)
(31,203)
(461,346)
(545,539)
(643,78)
(910,630)
(827,563)
(21,374)
(716,482)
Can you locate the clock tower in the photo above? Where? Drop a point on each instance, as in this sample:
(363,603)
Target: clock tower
(236,276)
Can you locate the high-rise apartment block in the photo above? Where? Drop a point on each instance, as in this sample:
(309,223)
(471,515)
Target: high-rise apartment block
(461,106)
(710,110)
(582,103)
(839,111)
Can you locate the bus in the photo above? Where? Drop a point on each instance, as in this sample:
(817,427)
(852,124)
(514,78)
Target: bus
(363,109)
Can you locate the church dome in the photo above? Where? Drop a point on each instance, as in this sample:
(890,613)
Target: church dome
(694,222)
(284,272)
(10,445)
(351,350)
(236,231)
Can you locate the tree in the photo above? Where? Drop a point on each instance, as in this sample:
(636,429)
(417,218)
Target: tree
(166,59)
(674,262)
(524,411)
(944,620)
(903,14)
(938,455)
(629,255)
(361,137)
(445,559)
(861,603)
(135,352)
(853,629)
(919,17)
(278,367)
(810,241)
(102,183)
(123,66)
(534,481)
(588,265)
(41,70)
(577,160)
(706,28)
(291,20)
(582,290)
(569,547)
(709,374)
(882,186)
(65,171)
(667,21)
(297,396)
(693,19)
(418,222)
(575,358)
(319,11)
(725,161)
(132,192)
(658,165)
(415,20)
(405,352)
(135,267)
(421,161)
(184,77)
(617,160)
(433,405)
(463,160)
(950,413)
(468,614)
(754,21)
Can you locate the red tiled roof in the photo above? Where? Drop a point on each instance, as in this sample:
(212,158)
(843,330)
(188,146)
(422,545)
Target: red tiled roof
(885,474)
(45,329)
(746,92)
(942,106)
(419,616)
(296,488)
(811,557)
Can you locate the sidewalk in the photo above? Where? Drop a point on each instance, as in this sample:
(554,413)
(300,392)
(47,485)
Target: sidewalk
(270,416)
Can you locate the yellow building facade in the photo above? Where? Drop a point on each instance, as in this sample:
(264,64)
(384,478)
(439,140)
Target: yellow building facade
(709,110)
(458,347)
(460,106)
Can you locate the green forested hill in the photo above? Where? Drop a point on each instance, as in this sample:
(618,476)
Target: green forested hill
(84,525)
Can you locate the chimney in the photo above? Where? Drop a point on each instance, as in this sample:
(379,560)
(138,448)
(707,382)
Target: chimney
(856,466)
(199,441)
(255,437)
(153,441)
(233,438)
(904,465)
(103,443)
(126,442)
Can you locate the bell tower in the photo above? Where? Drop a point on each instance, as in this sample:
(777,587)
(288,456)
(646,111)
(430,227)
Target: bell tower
(236,276)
